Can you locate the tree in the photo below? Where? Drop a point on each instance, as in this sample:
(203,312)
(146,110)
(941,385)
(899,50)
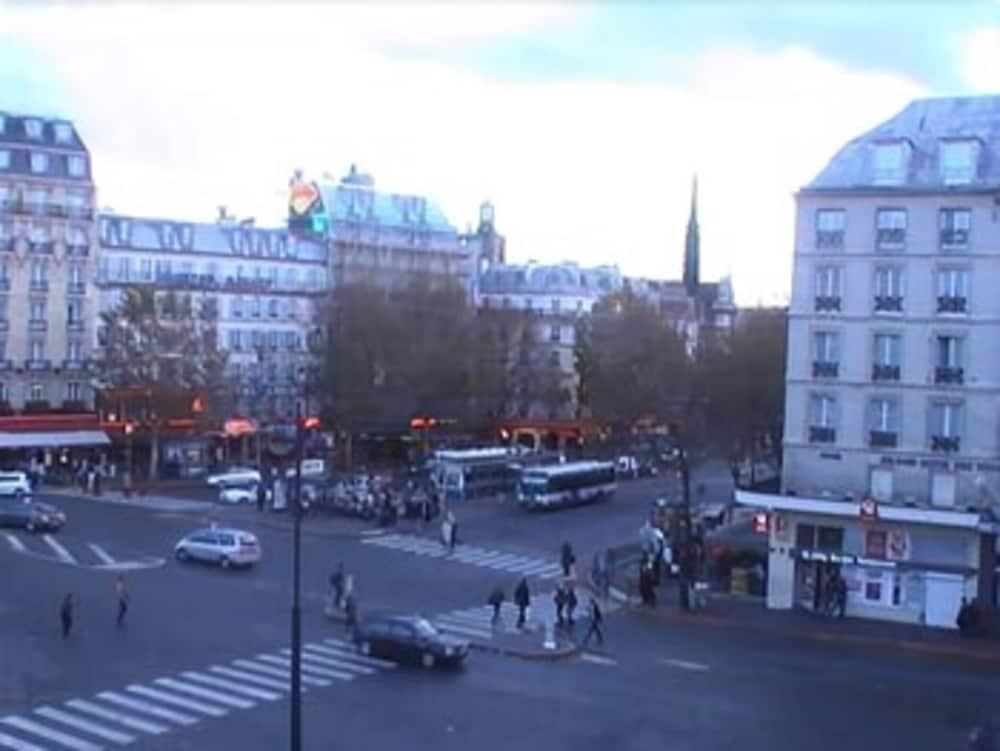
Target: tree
(630,362)
(164,356)
(743,384)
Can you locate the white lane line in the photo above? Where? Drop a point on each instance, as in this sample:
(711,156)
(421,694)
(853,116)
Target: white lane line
(469,618)
(122,719)
(101,553)
(597,659)
(50,713)
(331,662)
(271,670)
(538,568)
(204,693)
(553,573)
(338,647)
(144,706)
(178,701)
(490,558)
(260,680)
(464,632)
(15,542)
(64,555)
(53,735)
(253,693)
(372,532)
(684,664)
(9,741)
(326,673)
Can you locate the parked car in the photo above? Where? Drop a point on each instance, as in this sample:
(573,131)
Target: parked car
(222,545)
(233,476)
(627,467)
(22,512)
(241,493)
(16,484)
(408,638)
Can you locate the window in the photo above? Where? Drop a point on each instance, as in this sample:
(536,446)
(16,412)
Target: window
(828,279)
(957,162)
(272,307)
(826,354)
(888,289)
(3,123)
(830,228)
(949,360)
(39,233)
(4,159)
(233,339)
(123,269)
(73,391)
(293,311)
(945,425)
(955,225)
(74,311)
(37,392)
(76,273)
(555,334)
(74,350)
(236,307)
(890,163)
(76,166)
(63,132)
(890,229)
(39,162)
(873,585)
(291,277)
(36,309)
(822,418)
(887,357)
(883,422)
(39,272)
(36,349)
(146,269)
(273,339)
(952,290)
(810,537)
(554,358)
(555,304)
(75,236)
(255,307)
(33,128)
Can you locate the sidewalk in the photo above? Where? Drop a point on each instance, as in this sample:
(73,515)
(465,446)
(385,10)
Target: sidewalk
(154,502)
(750,614)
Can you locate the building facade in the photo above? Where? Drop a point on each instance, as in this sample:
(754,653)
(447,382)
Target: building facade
(47,252)
(891,473)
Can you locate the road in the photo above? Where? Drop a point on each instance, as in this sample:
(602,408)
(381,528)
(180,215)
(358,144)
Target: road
(201,663)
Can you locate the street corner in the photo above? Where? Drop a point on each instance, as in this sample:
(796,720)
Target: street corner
(528,647)
(90,555)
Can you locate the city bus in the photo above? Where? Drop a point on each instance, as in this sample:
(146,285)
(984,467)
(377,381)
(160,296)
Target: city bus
(461,475)
(566,484)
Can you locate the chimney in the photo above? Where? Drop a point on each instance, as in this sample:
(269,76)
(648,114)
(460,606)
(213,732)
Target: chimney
(223,214)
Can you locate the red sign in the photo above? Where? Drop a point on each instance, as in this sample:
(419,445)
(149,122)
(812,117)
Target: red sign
(239,426)
(869,510)
(302,196)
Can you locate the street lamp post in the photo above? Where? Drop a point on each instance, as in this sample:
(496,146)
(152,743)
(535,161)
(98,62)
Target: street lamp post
(684,572)
(296,717)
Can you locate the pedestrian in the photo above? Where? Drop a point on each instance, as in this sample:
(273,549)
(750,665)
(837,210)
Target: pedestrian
(841,596)
(522,598)
(452,531)
(121,593)
(337,585)
(571,603)
(595,625)
(66,615)
(560,600)
(261,495)
(350,614)
(496,601)
(567,558)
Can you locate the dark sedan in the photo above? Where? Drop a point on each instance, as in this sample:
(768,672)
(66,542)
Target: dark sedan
(30,515)
(411,639)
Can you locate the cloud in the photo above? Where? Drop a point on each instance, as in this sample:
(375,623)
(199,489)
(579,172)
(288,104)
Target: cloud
(980,59)
(187,109)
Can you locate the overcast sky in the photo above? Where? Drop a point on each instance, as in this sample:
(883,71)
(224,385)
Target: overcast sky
(583,123)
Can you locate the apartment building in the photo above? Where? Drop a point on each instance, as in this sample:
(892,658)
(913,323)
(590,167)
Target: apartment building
(892,435)
(47,250)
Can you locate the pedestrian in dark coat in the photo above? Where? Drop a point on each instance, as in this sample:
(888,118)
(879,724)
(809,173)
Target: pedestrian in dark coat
(350,614)
(261,495)
(496,599)
(66,615)
(522,598)
(121,592)
(560,601)
(571,603)
(567,558)
(595,624)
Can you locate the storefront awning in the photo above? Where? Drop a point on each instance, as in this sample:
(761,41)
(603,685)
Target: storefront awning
(53,439)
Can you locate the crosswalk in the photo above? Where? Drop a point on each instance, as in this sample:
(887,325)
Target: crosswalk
(476,623)
(82,554)
(120,717)
(474,556)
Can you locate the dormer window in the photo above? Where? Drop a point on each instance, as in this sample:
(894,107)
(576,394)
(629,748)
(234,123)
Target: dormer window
(957,161)
(64,133)
(890,162)
(33,129)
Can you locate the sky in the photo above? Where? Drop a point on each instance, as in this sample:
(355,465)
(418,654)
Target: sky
(583,123)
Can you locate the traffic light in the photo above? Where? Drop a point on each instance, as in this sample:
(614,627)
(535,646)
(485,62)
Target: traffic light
(310,423)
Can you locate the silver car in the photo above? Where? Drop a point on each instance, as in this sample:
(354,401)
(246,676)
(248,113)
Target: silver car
(222,545)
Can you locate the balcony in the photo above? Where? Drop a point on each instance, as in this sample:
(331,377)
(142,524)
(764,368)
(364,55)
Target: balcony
(39,285)
(888,303)
(827,303)
(882,372)
(821,434)
(954,239)
(830,238)
(946,443)
(38,365)
(45,247)
(77,248)
(74,405)
(825,369)
(79,212)
(951,304)
(891,239)
(187,281)
(72,366)
(55,210)
(34,406)
(38,324)
(6,365)
(949,374)
(76,288)
(882,439)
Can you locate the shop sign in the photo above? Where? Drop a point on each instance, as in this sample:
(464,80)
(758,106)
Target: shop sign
(898,547)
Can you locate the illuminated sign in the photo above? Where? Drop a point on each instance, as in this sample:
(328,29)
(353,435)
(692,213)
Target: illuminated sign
(302,197)
(238,427)
(306,212)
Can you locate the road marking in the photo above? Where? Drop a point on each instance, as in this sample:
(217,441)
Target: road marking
(371,532)
(15,542)
(145,706)
(101,553)
(278,672)
(59,550)
(122,719)
(253,693)
(331,662)
(260,680)
(151,562)
(478,633)
(597,659)
(684,664)
(53,735)
(204,693)
(178,701)
(85,725)
(13,743)
(338,647)
(338,674)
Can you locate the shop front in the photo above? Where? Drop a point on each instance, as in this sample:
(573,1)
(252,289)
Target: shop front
(893,563)
(50,447)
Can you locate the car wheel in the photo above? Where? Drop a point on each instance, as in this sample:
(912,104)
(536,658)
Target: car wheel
(225,562)
(182,554)
(365,648)
(427,659)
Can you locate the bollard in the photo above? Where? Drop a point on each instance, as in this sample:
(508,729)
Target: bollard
(550,636)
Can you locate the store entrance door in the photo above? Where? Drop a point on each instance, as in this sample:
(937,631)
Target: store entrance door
(943,598)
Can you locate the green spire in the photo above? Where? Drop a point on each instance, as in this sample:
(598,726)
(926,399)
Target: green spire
(692,243)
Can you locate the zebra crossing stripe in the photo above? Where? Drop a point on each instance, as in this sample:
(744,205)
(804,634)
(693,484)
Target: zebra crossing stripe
(178,701)
(64,555)
(14,542)
(122,719)
(344,653)
(325,672)
(101,553)
(467,631)
(144,706)
(204,693)
(9,741)
(255,693)
(271,670)
(50,713)
(260,680)
(335,663)
(53,735)
(348,648)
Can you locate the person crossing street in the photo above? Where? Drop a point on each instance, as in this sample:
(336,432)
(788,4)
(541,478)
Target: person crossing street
(522,598)
(121,593)
(595,625)
(66,615)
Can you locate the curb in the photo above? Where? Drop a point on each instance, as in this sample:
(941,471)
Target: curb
(554,655)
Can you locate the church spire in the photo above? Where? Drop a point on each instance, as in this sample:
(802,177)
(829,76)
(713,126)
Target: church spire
(692,243)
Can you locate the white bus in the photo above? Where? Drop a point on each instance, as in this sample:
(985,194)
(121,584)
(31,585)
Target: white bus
(566,484)
(474,473)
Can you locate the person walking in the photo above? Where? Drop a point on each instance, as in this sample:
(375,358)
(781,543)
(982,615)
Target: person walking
(350,614)
(560,600)
(261,495)
(337,585)
(595,625)
(522,598)
(66,615)
(571,603)
(121,593)
(452,531)
(496,601)
(567,559)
